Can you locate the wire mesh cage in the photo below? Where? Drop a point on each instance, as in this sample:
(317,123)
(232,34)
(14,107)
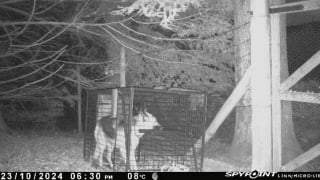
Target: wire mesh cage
(153,130)
(302,100)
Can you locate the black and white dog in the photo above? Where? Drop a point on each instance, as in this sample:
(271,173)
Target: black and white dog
(106,131)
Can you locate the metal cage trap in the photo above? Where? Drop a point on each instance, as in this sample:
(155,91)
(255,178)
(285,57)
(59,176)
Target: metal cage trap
(152,129)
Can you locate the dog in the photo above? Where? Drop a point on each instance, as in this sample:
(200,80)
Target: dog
(107,130)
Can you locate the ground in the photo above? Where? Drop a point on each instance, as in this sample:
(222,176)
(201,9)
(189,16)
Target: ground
(61,151)
(33,151)
(54,150)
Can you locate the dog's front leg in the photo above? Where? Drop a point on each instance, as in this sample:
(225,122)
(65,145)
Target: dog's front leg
(133,161)
(98,156)
(109,154)
(95,156)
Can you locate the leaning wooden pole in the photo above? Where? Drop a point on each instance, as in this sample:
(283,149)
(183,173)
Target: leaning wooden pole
(227,107)
(261,86)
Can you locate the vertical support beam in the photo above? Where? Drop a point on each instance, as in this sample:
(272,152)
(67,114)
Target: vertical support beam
(128,140)
(204,133)
(261,86)
(128,124)
(3,125)
(114,104)
(276,51)
(122,81)
(122,67)
(79,102)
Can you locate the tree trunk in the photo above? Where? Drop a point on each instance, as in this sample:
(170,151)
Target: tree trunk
(241,145)
(3,125)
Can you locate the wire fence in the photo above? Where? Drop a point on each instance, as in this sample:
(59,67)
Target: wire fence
(303,43)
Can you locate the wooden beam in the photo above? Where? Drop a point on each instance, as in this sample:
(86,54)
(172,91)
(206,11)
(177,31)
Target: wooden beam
(277,23)
(79,101)
(261,130)
(227,107)
(295,7)
(296,19)
(114,103)
(302,159)
(122,67)
(122,83)
(229,104)
(313,62)
(307,97)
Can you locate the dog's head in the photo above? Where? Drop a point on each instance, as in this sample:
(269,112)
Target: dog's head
(138,108)
(143,120)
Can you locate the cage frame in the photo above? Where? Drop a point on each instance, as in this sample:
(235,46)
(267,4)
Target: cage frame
(128,123)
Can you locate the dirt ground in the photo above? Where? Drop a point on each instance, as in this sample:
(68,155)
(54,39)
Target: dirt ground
(60,151)
(53,150)
(31,151)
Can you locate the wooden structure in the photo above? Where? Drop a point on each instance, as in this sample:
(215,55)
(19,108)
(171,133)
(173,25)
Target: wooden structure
(267,89)
(281,90)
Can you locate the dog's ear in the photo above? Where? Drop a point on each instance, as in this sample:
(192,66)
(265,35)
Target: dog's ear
(143,108)
(136,108)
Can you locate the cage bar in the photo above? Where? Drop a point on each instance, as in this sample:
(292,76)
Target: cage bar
(181,115)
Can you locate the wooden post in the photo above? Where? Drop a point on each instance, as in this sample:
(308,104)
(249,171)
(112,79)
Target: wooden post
(122,81)
(3,125)
(261,86)
(276,102)
(277,54)
(128,123)
(114,103)
(79,102)
(122,67)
